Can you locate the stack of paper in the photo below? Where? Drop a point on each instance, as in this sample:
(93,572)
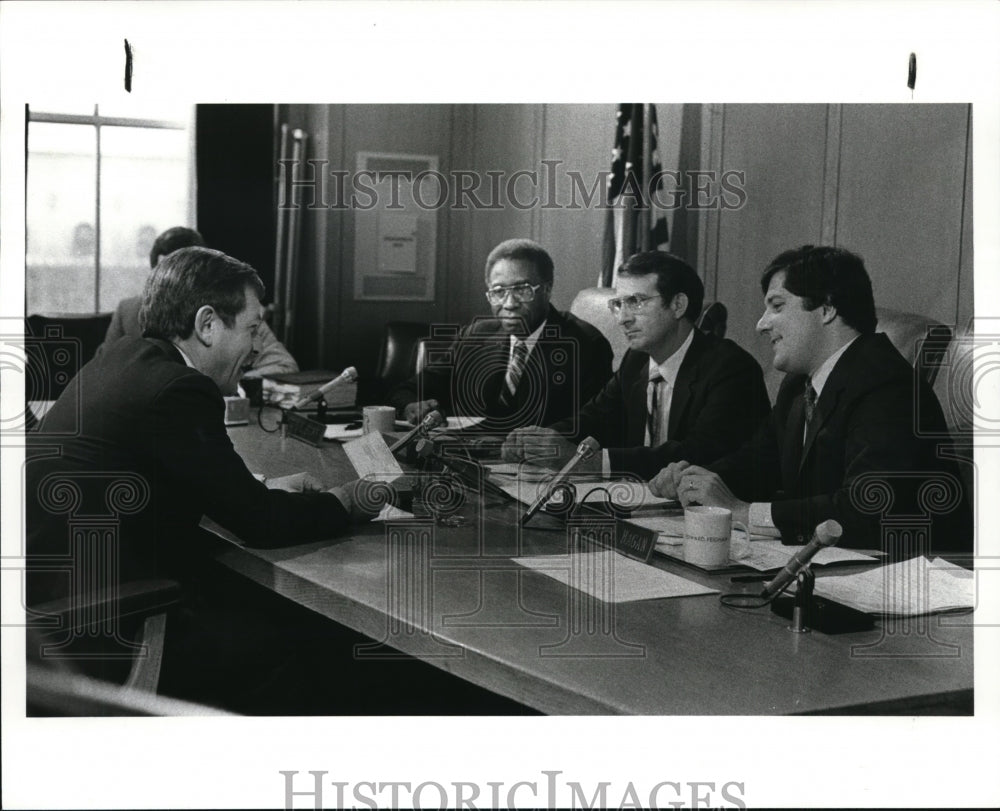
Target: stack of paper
(916,586)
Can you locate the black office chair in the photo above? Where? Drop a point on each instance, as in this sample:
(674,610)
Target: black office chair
(56,346)
(714,319)
(398,353)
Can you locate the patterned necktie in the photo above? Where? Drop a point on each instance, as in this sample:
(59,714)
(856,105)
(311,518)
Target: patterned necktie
(809,401)
(653,413)
(515,368)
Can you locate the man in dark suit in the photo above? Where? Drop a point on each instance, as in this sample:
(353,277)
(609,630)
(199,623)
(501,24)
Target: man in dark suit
(841,442)
(529,363)
(270,355)
(140,446)
(678,394)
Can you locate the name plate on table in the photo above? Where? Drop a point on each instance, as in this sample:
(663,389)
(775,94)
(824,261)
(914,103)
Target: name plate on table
(628,539)
(304,429)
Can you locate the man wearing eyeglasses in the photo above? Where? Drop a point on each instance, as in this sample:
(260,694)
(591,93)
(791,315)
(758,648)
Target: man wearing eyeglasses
(528,363)
(678,393)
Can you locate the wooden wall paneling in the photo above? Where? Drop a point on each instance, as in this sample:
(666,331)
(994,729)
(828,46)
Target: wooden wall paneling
(782,149)
(506,141)
(902,179)
(423,129)
(580,137)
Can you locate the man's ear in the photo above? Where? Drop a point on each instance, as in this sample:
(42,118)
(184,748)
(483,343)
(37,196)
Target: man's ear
(204,324)
(679,305)
(829,312)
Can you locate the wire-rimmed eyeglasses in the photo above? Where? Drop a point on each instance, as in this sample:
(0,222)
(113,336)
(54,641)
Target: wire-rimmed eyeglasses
(522,293)
(631,304)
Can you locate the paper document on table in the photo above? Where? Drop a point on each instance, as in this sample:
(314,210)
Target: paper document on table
(525,471)
(913,587)
(371,457)
(612,578)
(390,513)
(461,423)
(623,493)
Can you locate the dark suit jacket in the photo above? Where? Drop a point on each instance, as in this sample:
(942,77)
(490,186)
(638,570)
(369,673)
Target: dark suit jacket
(862,433)
(138,415)
(568,365)
(718,403)
(270,356)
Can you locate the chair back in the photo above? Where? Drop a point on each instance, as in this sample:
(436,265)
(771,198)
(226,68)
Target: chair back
(591,304)
(921,340)
(397,357)
(57,346)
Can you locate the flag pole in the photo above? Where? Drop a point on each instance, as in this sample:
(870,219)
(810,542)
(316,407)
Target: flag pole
(644,213)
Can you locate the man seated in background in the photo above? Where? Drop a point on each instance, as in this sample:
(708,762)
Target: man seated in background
(271,357)
(530,363)
(678,393)
(150,410)
(842,433)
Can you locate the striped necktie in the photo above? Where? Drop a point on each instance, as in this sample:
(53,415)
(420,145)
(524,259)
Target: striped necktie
(515,369)
(809,398)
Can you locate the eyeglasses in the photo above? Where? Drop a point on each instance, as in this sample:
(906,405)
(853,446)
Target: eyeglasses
(631,304)
(521,292)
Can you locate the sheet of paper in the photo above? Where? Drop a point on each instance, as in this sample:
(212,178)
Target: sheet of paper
(370,457)
(916,586)
(341,432)
(612,578)
(460,423)
(390,513)
(523,470)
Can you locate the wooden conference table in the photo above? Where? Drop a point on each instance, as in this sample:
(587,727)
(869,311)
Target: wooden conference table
(452,596)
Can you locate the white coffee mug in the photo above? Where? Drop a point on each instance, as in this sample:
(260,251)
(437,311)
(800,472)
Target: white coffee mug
(378,418)
(707,536)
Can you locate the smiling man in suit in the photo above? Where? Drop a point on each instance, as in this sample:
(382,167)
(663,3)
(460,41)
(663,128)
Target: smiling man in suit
(678,394)
(842,433)
(528,363)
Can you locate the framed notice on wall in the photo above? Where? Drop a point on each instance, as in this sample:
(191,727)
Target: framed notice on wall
(395,226)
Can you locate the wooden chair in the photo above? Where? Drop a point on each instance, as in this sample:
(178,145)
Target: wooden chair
(921,340)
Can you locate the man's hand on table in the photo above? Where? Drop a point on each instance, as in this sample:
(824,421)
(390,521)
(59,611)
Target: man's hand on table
(543,446)
(295,483)
(415,412)
(693,485)
(363,498)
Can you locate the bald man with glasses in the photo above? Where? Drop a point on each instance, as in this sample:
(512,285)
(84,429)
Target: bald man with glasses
(677,394)
(526,364)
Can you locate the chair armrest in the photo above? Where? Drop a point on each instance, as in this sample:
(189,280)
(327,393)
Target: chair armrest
(137,599)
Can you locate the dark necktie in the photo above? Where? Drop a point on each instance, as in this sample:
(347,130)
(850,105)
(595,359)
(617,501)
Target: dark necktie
(653,414)
(515,368)
(809,401)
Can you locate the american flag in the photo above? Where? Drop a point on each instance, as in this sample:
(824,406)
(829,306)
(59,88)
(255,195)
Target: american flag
(633,224)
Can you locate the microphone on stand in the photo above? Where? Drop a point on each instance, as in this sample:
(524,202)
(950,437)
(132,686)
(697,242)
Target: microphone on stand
(349,375)
(587,448)
(827,534)
(432,420)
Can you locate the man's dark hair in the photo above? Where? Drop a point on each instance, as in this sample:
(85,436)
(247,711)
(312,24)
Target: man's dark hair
(825,275)
(673,276)
(188,279)
(526,250)
(173,239)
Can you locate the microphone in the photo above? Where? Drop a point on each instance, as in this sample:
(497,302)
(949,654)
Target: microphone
(349,375)
(432,420)
(827,534)
(587,448)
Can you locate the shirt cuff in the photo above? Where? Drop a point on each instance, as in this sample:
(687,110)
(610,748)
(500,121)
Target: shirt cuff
(605,464)
(761,522)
